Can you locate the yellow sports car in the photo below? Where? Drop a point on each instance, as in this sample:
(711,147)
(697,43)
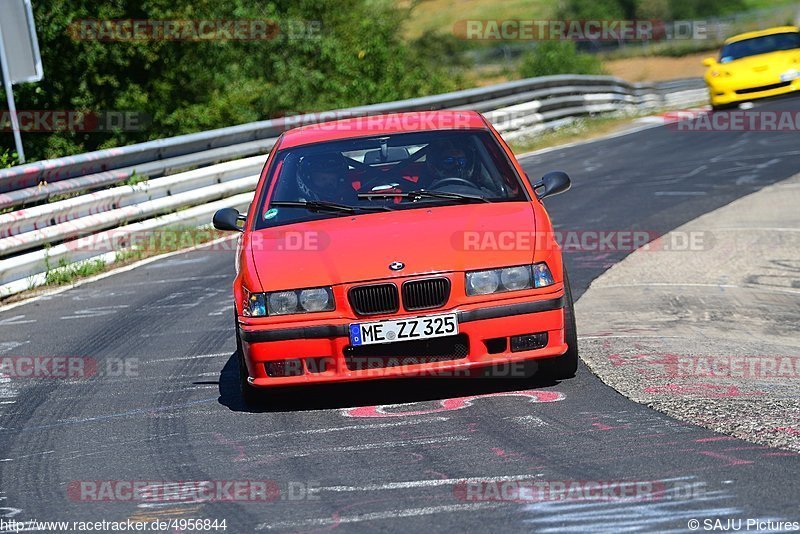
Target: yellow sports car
(755,65)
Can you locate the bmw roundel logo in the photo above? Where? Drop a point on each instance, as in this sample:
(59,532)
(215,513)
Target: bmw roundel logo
(397,266)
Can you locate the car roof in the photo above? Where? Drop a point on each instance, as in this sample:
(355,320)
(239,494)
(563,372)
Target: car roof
(377,125)
(761,33)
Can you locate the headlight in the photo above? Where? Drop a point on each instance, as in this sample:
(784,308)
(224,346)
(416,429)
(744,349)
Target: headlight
(516,278)
(483,282)
(282,302)
(508,279)
(285,302)
(312,300)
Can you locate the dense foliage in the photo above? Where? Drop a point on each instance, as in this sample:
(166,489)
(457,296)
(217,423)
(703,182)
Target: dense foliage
(558,57)
(553,57)
(328,54)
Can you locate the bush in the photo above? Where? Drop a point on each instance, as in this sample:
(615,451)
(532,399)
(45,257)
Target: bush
(357,56)
(7,159)
(558,57)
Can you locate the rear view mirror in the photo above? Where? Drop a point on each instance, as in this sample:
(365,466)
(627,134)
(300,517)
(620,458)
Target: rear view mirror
(553,183)
(709,62)
(227,219)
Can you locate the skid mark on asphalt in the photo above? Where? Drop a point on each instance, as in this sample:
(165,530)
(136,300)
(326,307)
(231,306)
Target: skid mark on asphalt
(428,483)
(375,516)
(301,453)
(528,421)
(16,320)
(281,433)
(193,357)
(96,418)
(667,512)
(100,311)
(446,405)
(7,511)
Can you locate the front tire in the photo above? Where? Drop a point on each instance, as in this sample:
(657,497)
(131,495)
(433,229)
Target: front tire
(723,107)
(566,365)
(250,395)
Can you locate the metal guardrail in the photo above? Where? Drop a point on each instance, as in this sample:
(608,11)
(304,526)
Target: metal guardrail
(54,170)
(37,238)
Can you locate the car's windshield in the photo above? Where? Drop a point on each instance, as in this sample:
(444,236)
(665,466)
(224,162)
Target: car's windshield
(373,174)
(759,45)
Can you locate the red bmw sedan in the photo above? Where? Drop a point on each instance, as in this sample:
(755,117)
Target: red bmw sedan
(410,244)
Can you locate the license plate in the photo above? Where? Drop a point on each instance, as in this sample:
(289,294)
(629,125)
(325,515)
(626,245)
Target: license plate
(403,329)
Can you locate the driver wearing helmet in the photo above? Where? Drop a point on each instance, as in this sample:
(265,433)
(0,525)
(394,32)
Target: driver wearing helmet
(323,177)
(448,160)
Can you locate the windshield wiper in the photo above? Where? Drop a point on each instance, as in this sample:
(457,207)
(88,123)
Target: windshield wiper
(423,193)
(321,205)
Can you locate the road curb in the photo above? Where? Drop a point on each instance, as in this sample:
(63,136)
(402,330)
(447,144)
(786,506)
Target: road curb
(708,333)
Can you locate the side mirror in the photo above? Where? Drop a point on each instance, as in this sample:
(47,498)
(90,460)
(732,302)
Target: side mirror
(227,219)
(709,62)
(553,183)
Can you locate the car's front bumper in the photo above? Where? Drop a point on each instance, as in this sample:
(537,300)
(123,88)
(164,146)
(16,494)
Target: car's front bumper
(726,93)
(307,344)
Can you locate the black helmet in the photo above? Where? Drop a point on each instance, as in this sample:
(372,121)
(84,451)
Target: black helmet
(319,163)
(450,160)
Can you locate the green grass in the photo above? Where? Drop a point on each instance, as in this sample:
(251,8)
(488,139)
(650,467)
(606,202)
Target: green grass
(581,129)
(63,196)
(441,15)
(160,242)
(135,179)
(65,273)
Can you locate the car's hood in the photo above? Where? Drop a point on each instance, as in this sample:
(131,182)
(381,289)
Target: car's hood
(353,249)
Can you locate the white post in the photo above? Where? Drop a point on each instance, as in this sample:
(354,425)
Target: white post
(12,108)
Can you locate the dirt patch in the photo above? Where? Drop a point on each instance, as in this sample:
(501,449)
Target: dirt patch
(656,68)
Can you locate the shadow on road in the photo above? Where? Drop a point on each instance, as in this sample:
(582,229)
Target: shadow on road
(367,393)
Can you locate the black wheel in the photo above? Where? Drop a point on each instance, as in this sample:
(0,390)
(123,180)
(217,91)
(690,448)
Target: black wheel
(250,395)
(566,365)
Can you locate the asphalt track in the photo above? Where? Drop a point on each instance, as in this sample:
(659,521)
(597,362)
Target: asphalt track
(180,417)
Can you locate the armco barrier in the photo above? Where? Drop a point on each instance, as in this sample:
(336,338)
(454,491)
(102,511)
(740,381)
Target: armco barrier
(54,170)
(34,238)
(43,215)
